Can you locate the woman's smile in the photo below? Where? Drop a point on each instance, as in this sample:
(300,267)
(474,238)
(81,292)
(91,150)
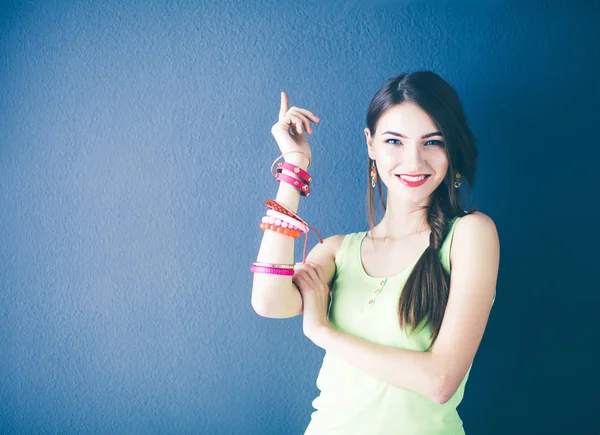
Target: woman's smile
(412,181)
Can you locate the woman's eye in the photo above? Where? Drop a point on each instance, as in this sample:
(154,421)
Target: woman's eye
(431,142)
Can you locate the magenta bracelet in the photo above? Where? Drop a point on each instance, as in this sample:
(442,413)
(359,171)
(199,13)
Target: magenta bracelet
(298,184)
(271,270)
(301,173)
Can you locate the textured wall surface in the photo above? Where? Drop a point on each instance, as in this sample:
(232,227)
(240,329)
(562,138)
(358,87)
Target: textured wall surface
(134,164)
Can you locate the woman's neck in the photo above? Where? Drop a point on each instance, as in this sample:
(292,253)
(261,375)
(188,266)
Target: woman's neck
(402,219)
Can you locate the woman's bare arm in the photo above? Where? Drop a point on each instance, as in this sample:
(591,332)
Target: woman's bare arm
(276,295)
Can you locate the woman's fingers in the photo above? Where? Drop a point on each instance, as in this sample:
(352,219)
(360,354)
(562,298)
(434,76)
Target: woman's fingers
(312,274)
(307,113)
(302,277)
(294,121)
(307,116)
(297,279)
(283,108)
(289,121)
(303,118)
(319,272)
(302,282)
(303,122)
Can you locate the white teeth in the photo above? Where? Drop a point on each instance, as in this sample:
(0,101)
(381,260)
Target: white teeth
(407,178)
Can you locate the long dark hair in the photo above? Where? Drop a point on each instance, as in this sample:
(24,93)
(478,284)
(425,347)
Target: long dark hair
(425,294)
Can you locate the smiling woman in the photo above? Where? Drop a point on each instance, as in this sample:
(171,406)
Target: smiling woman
(401,307)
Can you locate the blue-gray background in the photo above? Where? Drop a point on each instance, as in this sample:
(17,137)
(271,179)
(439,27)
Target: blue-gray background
(134,154)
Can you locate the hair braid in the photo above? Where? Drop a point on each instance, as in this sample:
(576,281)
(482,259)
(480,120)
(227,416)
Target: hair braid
(437,222)
(425,296)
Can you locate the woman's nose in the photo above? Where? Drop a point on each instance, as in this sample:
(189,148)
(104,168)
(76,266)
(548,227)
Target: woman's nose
(413,155)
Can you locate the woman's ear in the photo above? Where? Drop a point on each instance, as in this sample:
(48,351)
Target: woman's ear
(369,143)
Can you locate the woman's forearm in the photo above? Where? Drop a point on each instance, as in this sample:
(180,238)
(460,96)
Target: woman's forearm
(275,295)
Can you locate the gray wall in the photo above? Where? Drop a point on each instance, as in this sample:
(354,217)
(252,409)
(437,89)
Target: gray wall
(134,164)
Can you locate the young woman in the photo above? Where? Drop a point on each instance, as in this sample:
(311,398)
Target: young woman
(400,309)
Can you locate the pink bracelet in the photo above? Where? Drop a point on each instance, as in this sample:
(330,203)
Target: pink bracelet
(298,184)
(272,270)
(298,171)
(279,223)
(290,220)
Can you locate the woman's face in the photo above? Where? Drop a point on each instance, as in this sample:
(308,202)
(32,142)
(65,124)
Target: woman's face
(406,143)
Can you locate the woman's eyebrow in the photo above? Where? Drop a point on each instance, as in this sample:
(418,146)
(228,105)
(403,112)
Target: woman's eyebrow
(435,133)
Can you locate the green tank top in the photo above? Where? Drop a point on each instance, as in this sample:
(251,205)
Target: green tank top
(354,402)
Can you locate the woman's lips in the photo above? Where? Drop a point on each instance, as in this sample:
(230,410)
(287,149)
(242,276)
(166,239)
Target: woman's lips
(411,183)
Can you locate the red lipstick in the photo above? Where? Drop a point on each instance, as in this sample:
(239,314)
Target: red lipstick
(409,183)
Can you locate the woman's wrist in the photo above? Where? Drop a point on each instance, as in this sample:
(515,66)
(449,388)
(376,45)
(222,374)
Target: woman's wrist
(289,196)
(298,159)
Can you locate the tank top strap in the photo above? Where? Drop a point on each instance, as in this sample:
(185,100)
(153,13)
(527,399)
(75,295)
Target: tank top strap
(347,249)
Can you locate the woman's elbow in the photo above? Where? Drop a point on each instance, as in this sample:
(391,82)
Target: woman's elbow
(261,308)
(272,309)
(444,392)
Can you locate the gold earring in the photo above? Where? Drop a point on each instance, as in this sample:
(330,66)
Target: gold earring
(458,180)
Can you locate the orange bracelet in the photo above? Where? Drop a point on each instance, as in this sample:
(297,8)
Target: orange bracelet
(286,231)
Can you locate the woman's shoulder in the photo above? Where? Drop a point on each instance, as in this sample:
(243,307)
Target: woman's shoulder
(465,238)
(334,243)
(470,230)
(475,222)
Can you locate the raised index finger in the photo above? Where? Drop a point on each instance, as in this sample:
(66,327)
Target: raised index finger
(284,105)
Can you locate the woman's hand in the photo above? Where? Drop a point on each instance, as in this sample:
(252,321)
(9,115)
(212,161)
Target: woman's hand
(288,130)
(315,292)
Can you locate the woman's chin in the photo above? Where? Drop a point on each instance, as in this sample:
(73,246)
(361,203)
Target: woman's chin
(401,195)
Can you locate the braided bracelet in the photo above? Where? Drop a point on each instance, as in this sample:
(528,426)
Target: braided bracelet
(274,205)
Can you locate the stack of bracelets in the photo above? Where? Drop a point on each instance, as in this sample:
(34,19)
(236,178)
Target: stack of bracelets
(282,220)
